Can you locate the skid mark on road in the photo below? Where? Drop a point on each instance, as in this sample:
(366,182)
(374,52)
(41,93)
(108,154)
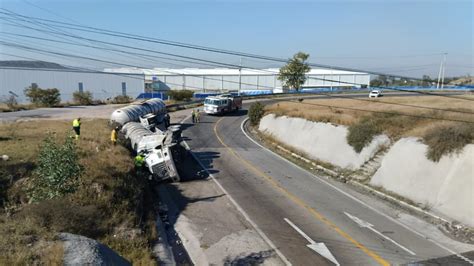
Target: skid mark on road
(300,202)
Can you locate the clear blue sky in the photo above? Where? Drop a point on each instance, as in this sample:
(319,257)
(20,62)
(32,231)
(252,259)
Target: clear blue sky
(402,37)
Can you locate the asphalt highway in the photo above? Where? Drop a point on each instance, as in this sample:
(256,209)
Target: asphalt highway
(295,208)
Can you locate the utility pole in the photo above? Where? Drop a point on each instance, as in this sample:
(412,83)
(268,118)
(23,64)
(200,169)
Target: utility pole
(441,72)
(444,68)
(240,75)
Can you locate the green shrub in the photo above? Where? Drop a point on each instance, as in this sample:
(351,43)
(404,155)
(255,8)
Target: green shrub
(57,172)
(11,102)
(361,133)
(446,139)
(122,99)
(181,95)
(43,97)
(256,112)
(83,98)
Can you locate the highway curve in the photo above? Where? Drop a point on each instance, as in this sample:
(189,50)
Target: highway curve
(275,193)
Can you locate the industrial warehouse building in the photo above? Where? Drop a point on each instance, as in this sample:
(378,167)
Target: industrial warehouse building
(134,81)
(224,79)
(14,80)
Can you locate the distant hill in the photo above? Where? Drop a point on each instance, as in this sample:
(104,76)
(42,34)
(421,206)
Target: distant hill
(462,81)
(31,64)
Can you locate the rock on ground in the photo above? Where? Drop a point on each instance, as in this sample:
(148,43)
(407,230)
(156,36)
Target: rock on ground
(80,250)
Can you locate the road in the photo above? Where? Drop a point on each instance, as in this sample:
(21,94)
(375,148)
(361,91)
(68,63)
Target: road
(272,191)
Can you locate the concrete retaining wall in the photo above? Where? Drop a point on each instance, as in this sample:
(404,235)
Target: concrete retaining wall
(446,187)
(321,141)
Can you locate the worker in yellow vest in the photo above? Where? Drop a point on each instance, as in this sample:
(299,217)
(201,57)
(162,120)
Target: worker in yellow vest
(76,125)
(139,162)
(113,136)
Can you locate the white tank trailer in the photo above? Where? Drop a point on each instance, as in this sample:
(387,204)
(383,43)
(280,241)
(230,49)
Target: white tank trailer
(141,125)
(133,112)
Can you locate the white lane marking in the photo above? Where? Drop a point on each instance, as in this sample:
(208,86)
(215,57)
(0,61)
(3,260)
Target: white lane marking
(237,206)
(370,226)
(319,248)
(356,199)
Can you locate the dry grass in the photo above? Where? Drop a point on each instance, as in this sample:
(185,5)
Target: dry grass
(314,111)
(110,196)
(5,108)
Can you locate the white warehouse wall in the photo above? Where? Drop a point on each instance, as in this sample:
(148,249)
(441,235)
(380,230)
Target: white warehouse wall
(101,85)
(228,79)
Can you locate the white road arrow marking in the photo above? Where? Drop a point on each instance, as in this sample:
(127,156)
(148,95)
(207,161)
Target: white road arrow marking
(319,248)
(369,226)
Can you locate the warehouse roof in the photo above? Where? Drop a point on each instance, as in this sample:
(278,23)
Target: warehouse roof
(223,71)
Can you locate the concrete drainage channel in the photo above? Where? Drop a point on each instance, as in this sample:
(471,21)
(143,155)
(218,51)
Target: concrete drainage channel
(168,249)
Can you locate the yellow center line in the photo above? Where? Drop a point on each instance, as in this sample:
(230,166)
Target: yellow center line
(300,202)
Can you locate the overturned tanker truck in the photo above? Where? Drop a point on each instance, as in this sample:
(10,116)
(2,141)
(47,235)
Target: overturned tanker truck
(144,129)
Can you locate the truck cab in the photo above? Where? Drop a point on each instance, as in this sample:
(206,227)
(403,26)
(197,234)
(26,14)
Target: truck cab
(222,103)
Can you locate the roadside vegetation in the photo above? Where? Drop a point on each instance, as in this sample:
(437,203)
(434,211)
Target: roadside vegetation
(448,138)
(42,97)
(53,184)
(293,74)
(83,97)
(10,104)
(256,112)
(180,95)
(442,137)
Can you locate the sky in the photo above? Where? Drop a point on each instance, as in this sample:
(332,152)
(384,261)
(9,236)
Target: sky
(392,36)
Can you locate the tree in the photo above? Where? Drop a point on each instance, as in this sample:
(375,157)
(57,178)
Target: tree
(83,97)
(426,81)
(380,81)
(11,102)
(51,97)
(58,170)
(256,111)
(43,97)
(181,95)
(34,93)
(293,74)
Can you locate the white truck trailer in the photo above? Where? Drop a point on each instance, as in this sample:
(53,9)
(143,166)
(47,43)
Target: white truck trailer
(143,128)
(221,104)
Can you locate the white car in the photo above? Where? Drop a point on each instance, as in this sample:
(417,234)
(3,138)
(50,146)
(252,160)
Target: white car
(375,94)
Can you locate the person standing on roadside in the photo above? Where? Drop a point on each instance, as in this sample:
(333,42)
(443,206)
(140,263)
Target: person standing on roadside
(113,136)
(76,126)
(198,116)
(167,120)
(193,116)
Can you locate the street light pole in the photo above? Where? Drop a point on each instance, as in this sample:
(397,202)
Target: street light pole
(444,68)
(240,75)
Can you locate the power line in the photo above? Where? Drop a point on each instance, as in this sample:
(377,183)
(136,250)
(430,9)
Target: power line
(196,47)
(113,63)
(352,83)
(143,56)
(204,60)
(86,70)
(141,38)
